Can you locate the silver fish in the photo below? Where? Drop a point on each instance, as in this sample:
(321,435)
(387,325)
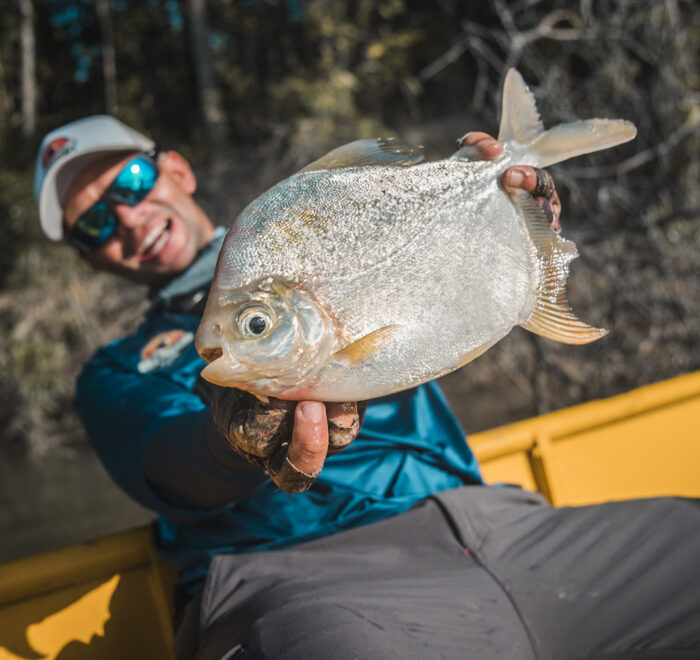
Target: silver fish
(371,271)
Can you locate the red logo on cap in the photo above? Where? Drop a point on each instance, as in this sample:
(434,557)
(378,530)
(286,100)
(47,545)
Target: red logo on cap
(55,149)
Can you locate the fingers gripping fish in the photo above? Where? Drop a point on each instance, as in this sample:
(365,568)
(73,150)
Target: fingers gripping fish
(371,271)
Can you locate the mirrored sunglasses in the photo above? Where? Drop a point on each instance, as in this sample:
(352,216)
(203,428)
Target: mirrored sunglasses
(99,223)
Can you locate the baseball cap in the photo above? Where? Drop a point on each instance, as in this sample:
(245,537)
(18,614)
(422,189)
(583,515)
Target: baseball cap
(66,151)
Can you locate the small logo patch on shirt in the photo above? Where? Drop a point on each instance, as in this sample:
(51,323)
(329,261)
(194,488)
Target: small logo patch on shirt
(163,349)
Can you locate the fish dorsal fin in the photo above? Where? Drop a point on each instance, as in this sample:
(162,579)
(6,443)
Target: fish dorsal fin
(552,317)
(520,120)
(366,346)
(375,151)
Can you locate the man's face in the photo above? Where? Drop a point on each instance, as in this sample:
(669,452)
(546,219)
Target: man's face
(157,238)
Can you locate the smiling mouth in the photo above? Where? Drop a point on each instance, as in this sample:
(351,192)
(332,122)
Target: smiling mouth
(155,240)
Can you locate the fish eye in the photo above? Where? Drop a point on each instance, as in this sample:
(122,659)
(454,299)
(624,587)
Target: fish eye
(254,323)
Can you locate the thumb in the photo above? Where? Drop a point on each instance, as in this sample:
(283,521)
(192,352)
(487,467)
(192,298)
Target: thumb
(295,466)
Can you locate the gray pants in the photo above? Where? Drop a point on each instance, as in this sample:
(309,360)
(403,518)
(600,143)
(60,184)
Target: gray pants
(474,572)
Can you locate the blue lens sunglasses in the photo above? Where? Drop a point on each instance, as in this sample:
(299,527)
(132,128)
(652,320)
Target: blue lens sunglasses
(99,223)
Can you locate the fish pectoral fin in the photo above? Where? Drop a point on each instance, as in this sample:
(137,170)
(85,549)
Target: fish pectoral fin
(377,151)
(552,316)
(366,346)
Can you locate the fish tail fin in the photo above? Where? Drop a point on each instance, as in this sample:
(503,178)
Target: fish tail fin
(520,122)
(552,316)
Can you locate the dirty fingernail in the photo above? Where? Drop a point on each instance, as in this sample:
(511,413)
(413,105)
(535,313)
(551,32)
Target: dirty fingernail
(463,140)
(311,410)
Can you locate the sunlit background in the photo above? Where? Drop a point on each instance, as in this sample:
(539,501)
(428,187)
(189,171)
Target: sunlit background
(249,91)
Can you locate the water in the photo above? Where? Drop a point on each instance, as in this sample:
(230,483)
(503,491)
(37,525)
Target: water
(58,498)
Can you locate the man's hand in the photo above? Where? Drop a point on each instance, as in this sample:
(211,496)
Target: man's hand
(532,180)
(287,439)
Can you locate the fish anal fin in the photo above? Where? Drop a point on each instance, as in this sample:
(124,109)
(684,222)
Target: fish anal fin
(380,151)
(552,316)
(366,346)
(563,326)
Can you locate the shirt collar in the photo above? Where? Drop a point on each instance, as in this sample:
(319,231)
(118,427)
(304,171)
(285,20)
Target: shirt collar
(195,279)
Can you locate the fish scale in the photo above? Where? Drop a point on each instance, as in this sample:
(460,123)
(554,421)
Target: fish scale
(370,271)
(389,231)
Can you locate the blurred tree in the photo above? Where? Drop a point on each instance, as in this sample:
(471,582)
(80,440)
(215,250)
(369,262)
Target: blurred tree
(109,65)
(29,86)
(208,91)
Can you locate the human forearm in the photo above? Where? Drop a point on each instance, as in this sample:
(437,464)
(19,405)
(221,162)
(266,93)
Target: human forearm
(191,463)
(158,442)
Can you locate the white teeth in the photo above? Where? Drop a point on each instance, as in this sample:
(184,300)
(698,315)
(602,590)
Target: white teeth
(160,243)
(152,236)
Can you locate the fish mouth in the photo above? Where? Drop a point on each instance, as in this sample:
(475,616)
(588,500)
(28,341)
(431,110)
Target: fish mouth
(221,370)
(208,341)
(211,353)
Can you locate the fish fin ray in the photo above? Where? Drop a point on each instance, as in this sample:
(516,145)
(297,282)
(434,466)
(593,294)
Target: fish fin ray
(380,151)
(553,317)
(520,120)
(576,138)
(366,346)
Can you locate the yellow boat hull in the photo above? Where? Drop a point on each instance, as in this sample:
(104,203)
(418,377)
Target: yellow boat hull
(110,598)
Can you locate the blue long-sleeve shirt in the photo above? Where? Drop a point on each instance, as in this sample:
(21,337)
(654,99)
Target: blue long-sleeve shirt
(138,403)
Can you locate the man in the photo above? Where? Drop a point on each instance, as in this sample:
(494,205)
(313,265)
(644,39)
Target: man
(479,572)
